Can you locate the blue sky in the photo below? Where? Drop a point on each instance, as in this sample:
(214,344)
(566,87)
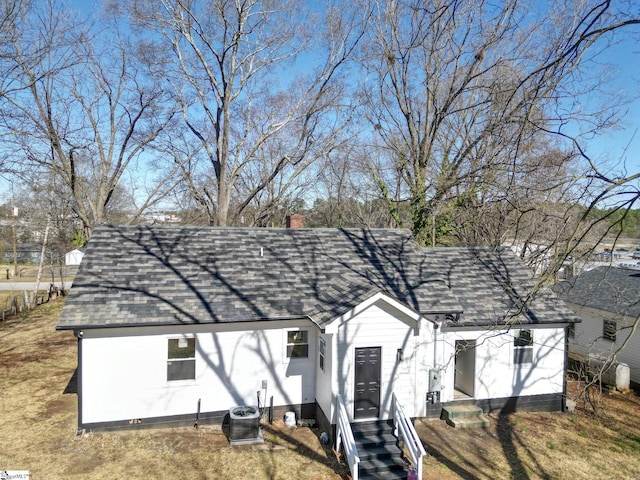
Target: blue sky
(621,146)
(616,148)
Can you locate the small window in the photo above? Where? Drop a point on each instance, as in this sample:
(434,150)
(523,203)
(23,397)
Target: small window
(297,344)
(181,360)
(609,330)
(523,347)
(321,350)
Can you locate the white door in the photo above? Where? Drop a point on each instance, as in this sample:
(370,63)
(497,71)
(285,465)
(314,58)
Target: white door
(465,366)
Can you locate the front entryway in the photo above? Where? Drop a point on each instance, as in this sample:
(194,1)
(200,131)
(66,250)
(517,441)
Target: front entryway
(367,383)
(465,367)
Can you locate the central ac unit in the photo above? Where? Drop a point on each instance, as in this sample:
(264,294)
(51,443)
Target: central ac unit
(244,425)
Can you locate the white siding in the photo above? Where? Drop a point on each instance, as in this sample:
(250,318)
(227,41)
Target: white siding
(496,375)
(74,257)
(379,325)
(588,339)
(324,393)
(124,371)
(428,356)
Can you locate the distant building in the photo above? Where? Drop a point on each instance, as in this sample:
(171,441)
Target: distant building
(607,299)
(74,257)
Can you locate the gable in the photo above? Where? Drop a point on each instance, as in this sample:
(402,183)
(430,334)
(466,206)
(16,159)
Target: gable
(391,307)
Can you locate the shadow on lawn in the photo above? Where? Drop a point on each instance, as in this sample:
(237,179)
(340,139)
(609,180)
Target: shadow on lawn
(475,453)
(329,458)
(72,386)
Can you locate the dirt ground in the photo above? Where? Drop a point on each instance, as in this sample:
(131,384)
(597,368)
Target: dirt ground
(540,445)
(38,433)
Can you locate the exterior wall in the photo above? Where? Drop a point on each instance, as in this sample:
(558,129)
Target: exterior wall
(588,340)
(324,378)
(74,257)
(377,325)
(499,383)
(496,374)
(124,370)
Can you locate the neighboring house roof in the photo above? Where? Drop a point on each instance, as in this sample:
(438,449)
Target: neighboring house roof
(29,247)
(608,288)
(167,275)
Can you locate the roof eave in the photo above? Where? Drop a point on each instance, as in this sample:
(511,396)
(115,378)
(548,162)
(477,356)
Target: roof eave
(94,326)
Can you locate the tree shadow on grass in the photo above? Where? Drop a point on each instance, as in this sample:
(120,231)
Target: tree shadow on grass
(329,458)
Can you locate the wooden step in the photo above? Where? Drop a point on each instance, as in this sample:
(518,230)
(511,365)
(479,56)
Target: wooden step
(380,456)
(380,426)
(388,466)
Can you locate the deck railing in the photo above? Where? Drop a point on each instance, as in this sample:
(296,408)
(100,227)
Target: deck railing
(404,429)
(344,438)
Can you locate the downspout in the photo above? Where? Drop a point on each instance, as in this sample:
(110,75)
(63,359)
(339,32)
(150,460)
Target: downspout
(566,368)
(435,344)
(79,382)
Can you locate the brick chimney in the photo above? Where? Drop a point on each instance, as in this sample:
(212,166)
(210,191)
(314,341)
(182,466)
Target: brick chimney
(295,221)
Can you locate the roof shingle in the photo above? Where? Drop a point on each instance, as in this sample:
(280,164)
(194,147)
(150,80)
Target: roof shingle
(608,288)
(135,275)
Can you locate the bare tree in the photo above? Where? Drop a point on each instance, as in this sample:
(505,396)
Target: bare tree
(258,110)
(83,107)
(343,192)
(456,91)
(12,13)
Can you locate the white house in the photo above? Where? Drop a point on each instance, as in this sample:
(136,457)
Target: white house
(607,299)
(74,257)
(172,321)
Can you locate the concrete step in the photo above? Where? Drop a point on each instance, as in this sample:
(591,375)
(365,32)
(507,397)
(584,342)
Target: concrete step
(457,411)
(464,416)
(469,422)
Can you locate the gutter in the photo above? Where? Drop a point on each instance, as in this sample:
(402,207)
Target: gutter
(77,328)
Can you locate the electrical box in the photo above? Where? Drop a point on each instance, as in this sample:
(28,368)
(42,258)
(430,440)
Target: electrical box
(264,384)
(435,380)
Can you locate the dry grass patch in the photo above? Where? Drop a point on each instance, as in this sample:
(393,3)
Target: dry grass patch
(38,426)
(540,445)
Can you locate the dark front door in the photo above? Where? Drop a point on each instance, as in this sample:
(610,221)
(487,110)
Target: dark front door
(367,383)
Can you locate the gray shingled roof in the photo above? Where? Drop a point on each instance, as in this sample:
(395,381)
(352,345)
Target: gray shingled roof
(134,275)
(611,289)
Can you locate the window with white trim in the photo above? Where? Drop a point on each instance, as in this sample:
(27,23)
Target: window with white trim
(181,359)
(321,351)
(522,347)
(297,344)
